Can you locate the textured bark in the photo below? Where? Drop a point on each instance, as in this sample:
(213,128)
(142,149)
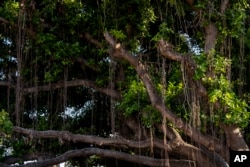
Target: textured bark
(174,146)
(211,36)
(234,138)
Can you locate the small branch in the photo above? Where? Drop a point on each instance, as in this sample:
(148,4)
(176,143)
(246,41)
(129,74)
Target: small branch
(143,160)
(166,50)
(89,38)
(223,6)
(3,20)
(6,83)
(84,64)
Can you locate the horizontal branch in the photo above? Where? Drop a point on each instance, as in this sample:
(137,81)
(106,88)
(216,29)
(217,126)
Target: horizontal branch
(30,156)
(3,20)
(6,83)
(93,140)
(139,159)
(173,146)
(73,83)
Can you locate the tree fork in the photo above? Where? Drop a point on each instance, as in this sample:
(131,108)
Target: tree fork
(209,142)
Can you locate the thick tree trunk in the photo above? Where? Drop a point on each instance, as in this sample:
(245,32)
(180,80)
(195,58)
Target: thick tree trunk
(234,137)
(235,140)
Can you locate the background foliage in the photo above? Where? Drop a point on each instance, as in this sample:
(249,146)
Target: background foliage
(50,41)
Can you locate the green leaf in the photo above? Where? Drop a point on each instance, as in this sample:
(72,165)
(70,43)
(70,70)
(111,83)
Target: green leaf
(5,123)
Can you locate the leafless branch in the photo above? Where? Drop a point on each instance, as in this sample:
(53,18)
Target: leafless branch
(26,157)
(95,140)
(6,83)
(139,159)
(174,145)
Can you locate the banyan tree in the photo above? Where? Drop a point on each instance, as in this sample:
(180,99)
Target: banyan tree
(123,83)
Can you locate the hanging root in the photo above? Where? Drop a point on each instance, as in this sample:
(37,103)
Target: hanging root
(191,95)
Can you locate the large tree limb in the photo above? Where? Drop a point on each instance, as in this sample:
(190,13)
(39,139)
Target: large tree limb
(189,151)
(191,66)
(209,142)
(176,146)
(26,157)
(139,159)
(234,138)
(93,140)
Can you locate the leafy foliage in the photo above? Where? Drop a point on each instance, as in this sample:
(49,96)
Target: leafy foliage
(135,97)
(164,32)
(233,110)
(138,100)
(5,123)
(67,78)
